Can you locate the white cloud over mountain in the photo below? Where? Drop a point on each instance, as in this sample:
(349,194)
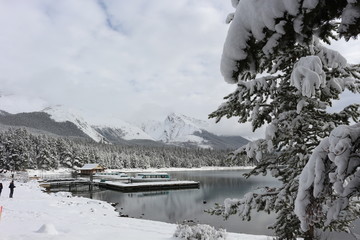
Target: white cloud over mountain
(128,60)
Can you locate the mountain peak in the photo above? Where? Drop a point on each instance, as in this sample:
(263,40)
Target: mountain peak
(4,113)
(180,118)
(121,129)
(60,113)
(176,128)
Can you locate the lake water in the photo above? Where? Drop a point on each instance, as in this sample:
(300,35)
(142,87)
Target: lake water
(175,206)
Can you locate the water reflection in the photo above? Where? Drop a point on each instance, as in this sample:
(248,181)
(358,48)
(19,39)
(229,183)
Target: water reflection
(175,206)
(154,193)
(189,204)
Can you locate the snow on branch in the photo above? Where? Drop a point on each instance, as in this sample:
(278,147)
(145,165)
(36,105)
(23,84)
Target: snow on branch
(308,75)
(253,150)
(330,58)
(249,100)
(261,200)
(249,20)
(268,26)
(326,73)
(332,176)
(350,19)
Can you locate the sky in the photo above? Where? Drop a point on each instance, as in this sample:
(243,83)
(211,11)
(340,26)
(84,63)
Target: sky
(117,59)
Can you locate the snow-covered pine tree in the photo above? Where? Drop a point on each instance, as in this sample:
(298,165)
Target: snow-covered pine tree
(279,41)
(329,184)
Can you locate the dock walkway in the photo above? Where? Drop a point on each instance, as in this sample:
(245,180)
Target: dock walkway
(66,183)
(123,186)
(148,186)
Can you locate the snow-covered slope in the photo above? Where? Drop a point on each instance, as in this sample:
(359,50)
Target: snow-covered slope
(3,113)
(61,114)
(115,132)
(181,130)
(177,128)
(122,130)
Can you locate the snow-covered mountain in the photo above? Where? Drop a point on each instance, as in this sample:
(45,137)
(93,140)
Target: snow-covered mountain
(122,130)
(176,129)
(182,130)
(61,114)
(114,133)
(40,123)
(3,113)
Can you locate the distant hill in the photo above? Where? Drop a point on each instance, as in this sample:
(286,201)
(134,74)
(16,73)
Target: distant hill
(42,121)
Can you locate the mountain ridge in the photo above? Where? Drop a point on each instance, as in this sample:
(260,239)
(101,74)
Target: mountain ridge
(181,130)
(176,129)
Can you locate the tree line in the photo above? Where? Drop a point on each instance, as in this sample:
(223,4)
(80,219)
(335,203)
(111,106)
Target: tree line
(21,150)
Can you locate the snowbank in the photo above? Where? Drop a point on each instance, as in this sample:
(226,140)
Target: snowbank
(34,215)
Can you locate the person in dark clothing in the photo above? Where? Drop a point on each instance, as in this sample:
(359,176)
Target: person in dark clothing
(11,186)
(1,187)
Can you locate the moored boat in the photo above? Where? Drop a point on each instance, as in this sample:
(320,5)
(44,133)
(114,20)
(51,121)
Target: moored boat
(151,177)
(112,175)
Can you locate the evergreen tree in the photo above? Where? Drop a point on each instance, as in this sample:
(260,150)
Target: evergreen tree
(21,150)
(279,40)
(330,181)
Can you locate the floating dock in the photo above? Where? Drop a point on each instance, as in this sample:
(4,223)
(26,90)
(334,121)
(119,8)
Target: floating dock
(123,186)
(148,186)
(65,183)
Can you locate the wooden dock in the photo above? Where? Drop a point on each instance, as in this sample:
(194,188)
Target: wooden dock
(71,184)
(148,186)
(123,186)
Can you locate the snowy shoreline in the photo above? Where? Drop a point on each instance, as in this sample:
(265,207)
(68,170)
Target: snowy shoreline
(32,172)
(181,169)
(35,215)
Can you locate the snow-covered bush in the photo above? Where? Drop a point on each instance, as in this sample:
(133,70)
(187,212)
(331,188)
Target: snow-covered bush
(199,232)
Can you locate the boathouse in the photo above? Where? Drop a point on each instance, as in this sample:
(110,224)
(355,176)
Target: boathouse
(90,168)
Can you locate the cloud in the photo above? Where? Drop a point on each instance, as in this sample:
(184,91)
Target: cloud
(132,60)
(15,104)
(124,53)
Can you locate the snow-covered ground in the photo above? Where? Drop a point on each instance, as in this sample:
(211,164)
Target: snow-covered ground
(35,215)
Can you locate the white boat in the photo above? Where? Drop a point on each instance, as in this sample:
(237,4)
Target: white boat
(112,175)
(151,177)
